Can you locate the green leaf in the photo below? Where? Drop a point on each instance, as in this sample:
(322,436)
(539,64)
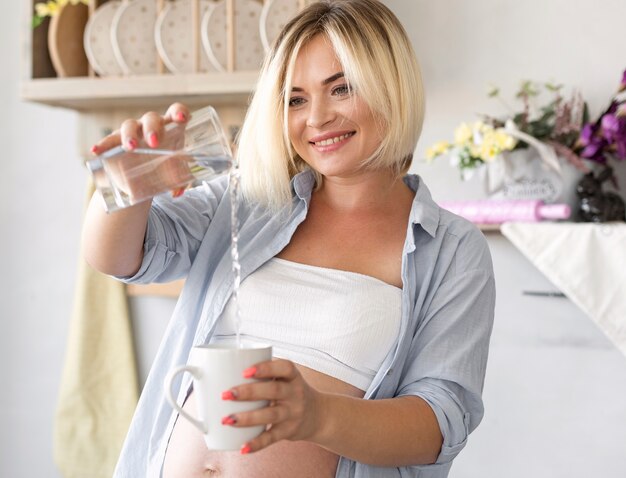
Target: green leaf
(527,90)
(553,87)
(493,91)
(37,20)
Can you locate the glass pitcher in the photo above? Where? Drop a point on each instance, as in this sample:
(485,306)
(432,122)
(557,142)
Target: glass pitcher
(187,155)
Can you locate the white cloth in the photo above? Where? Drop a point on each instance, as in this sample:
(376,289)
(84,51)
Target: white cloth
(339,323)
(587,262)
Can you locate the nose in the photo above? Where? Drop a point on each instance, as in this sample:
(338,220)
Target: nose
(320,113)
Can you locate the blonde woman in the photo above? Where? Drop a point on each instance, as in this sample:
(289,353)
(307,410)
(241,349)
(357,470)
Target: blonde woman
(379,304)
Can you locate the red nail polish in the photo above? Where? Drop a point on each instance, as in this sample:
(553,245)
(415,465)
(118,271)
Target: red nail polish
(228,395)
(94,149)
(229,420)
(180,116)
(249,372)
(152,140)
(131,143)
(178,192)
(246,449)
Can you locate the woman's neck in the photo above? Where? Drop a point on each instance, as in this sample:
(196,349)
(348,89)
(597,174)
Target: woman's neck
(369,191)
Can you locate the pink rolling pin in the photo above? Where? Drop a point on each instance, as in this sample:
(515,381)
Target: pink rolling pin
(497,212)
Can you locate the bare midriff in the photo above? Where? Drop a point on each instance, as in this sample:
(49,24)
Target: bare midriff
(188,457)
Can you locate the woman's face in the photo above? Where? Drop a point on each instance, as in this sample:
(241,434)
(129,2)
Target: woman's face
(330,127)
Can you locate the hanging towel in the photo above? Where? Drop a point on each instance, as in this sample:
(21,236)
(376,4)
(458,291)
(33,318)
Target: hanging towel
(587,262)
(99,388)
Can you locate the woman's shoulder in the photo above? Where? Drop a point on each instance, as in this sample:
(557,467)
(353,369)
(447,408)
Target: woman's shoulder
(453,235)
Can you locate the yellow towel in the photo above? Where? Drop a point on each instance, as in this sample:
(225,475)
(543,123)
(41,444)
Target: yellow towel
(99,388)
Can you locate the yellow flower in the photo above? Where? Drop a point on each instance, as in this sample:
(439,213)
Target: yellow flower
(437,149)
(505,141)
(494,142)
(52,7)
(462,134)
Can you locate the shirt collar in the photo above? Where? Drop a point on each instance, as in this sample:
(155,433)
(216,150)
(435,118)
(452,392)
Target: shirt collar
(303,183)
(424,211)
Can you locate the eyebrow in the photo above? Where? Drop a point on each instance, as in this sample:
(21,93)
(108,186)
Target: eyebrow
(325,82)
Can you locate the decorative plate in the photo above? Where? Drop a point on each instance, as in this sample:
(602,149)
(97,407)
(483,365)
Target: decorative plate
(132,36)
(65,41)
(275,15)
(97,40)
(248,48)
(174,37)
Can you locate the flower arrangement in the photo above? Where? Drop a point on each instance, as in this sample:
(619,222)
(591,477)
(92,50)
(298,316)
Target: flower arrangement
(553,128)
(51,8)
(604,140)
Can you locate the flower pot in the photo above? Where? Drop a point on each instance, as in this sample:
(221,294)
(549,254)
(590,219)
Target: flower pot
(522,174)
(65,40)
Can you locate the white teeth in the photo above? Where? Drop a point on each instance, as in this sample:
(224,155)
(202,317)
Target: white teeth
(330,141)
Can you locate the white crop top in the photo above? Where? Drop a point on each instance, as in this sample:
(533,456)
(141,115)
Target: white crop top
(339,323)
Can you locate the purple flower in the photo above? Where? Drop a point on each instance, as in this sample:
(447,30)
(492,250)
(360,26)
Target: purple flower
(586,134)
(605,138)
(610,126)
(594,150)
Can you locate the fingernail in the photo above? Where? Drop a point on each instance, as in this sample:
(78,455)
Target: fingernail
(180,116)
(229,420)
(228,395)
(245,449)
(131,143)
(178,192)
(152,140)
(249,372)
(94,149)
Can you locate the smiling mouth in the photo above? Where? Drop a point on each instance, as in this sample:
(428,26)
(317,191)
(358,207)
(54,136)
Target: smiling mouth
(336,139)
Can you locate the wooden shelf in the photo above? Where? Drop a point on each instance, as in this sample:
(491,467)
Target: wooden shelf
(87,93)
(171,289)
(489,228)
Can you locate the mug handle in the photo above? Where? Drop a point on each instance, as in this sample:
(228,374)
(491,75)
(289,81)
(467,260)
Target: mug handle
(200,425)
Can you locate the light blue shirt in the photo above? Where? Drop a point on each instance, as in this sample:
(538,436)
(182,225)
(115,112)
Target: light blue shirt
(447,312)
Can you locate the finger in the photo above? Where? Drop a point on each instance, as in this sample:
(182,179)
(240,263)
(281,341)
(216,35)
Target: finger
(278,368)
(178,113)
(262,416)
(152,128)
(108,142)
(130,133)
(266,390)
(265,439)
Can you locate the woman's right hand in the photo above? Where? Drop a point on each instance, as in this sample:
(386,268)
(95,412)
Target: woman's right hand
(149,128)
(113,243)
(128,172)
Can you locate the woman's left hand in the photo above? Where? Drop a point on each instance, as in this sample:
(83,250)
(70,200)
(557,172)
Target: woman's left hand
(295,406)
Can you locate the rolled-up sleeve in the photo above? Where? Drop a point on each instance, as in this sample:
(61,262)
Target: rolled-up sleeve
(176,227)
(448,356)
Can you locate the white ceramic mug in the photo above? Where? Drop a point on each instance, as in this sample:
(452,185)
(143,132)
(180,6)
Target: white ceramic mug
(216,368)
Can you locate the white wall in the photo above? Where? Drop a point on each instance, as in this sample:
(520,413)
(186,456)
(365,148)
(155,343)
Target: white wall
(41,195)
(462,46)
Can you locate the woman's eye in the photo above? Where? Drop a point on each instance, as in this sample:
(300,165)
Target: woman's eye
(341,90)
(296,101)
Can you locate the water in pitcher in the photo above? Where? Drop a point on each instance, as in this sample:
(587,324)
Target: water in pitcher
(188,155)
(234,249)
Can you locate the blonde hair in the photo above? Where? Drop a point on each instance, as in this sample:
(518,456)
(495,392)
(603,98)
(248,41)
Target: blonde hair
(379,64)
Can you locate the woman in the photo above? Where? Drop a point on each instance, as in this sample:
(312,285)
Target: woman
(389,299)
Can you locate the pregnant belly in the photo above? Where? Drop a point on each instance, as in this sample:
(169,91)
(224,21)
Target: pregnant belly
(188,457)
